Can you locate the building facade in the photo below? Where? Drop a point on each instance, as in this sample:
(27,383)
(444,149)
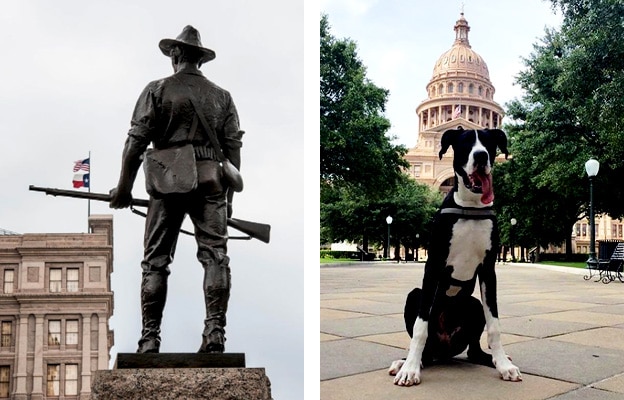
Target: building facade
(55,306)
(607,229)
(460,93)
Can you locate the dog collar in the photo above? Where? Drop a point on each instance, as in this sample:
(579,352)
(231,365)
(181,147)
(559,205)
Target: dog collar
(469,212)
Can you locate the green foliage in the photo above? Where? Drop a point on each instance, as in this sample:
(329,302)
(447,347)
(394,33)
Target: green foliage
(355,149)
(572,110)
(353,216)
(344,255)
(361,171)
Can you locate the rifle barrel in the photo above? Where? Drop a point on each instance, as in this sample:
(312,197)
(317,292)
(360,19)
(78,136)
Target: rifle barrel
(83,195)
(256,230)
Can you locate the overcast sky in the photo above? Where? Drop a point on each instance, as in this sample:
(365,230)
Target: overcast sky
(400,41)
(70,76)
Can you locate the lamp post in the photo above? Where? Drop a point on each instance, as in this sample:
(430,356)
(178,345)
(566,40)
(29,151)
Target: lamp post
(513,253)
(388,221)
(591,167)
(417,247)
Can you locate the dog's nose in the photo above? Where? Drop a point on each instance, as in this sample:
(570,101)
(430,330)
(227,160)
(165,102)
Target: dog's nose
(481,157)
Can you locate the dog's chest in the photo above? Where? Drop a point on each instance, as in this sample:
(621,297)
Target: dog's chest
(470,240)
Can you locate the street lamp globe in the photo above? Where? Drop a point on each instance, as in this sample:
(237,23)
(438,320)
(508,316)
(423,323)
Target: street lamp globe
(388,221)
(513,222)
(591,167)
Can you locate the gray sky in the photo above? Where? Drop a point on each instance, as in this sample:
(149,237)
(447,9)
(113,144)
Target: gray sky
(71,74)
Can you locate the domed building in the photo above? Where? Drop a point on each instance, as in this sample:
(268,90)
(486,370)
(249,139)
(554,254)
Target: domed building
(460,93)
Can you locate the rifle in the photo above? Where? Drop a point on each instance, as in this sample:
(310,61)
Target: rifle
(255,230)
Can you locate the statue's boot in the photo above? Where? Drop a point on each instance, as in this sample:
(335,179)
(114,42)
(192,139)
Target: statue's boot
(216,295)
(153,297)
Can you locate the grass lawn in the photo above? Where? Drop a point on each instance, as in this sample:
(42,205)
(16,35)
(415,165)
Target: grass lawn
(336,260)
(566,264)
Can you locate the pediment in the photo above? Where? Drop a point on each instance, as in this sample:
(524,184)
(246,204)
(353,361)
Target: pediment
(454,124)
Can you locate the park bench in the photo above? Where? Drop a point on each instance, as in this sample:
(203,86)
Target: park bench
(611,269)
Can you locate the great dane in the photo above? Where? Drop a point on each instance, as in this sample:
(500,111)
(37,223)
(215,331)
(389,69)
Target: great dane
(443,317)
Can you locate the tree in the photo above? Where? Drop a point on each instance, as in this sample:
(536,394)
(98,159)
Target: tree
(355,149)
(353,217)
(571,111)
(359,166)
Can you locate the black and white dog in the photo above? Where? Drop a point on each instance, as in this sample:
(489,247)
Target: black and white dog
(443,318)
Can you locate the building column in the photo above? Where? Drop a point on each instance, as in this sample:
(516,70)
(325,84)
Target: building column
(102,343)
(21,349)
(480,116)
(429,118)
(491,119)
(85,370)
(38,374)
(439,114)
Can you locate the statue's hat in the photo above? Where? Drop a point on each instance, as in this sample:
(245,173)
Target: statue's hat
(189,37)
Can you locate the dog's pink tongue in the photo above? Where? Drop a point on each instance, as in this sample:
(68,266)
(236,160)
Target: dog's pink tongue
(486,186)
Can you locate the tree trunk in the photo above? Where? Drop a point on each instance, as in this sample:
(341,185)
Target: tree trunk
(568,245)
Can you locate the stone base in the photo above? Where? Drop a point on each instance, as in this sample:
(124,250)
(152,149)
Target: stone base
(183,383)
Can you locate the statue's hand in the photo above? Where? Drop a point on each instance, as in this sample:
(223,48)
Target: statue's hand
(229,210)
(120,198)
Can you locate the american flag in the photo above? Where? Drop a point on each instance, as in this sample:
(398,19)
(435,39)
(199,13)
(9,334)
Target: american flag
(81,165)
(457,112)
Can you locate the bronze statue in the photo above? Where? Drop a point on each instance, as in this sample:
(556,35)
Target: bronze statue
(182,116)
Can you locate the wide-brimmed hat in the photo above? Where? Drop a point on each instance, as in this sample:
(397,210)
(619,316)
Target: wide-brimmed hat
(189,37)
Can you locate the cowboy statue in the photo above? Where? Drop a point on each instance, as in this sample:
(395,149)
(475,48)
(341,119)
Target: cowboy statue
(184,117)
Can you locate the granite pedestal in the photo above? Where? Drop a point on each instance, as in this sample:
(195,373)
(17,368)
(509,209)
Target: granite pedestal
(181,376)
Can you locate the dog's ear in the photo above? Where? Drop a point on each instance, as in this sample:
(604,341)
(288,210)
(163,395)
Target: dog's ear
(448,139)
(501,141)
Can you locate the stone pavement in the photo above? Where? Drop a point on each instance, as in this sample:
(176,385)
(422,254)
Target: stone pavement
(565,334)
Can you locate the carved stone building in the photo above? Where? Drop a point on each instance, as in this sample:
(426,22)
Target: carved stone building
(55,306)
(460,93)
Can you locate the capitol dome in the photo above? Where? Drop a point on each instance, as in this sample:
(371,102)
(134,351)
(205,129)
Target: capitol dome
(459,93)
(461,58)
(460,87)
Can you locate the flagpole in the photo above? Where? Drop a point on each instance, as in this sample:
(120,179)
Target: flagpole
(89,201)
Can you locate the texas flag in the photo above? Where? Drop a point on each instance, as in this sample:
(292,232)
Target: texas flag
(81,178)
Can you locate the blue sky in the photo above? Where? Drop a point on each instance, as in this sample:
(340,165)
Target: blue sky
(400,41)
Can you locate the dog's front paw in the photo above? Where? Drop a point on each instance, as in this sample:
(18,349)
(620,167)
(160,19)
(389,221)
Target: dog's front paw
(508,371)
(407,376)
(395,367)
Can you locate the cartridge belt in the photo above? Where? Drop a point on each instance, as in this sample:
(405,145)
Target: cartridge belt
(203,152)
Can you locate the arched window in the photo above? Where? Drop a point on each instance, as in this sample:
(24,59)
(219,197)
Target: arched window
(460,87)
(471,88)
(450,88)
(441,89)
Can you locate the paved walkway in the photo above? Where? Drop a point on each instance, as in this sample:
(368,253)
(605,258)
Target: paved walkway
(564,333)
